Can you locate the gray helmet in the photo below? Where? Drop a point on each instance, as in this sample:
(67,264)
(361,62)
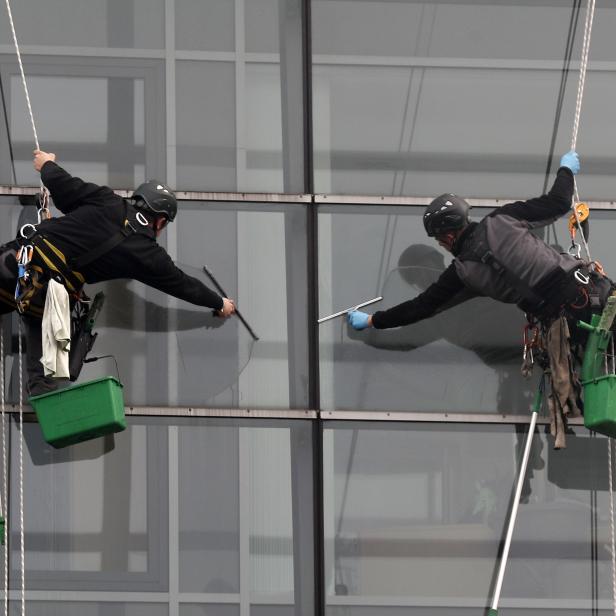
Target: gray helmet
(446,213)
(158,198)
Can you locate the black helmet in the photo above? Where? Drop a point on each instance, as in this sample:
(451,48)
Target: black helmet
(446,213)
(157,198)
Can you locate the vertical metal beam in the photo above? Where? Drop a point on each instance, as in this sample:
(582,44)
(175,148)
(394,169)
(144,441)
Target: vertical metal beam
(302,498)
(174,522)
(313,315)
(120,98)
(244,519)
(240,95)
(293,107)
(171,176)
(170,94)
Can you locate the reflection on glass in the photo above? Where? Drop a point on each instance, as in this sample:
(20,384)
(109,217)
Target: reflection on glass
(191,335)
(207,25)
(109,150)
(170,352)
(209,533)
(209,610)
(87,23)
(206,132)
(93,511)
(464,359)
(403,97)
(245,502)
(432,536)
(92,608)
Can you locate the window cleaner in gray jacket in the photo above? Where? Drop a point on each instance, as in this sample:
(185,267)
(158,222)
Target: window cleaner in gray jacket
(499,257)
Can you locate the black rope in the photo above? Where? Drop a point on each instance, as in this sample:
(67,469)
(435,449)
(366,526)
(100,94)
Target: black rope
(8,130)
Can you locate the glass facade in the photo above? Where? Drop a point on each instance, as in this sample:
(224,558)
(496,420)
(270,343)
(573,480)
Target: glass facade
(304,137)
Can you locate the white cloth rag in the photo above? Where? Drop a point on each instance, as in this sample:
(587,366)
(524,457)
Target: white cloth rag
(56,330)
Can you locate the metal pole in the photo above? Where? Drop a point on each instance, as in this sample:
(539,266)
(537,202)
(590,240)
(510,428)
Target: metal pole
(516,500)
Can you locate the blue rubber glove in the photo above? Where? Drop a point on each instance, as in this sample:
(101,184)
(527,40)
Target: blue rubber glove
(571,161)
(358,319)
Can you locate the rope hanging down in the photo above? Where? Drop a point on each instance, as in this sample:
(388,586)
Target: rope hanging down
(43,211)
(5,491)
(590,12)
(22,549)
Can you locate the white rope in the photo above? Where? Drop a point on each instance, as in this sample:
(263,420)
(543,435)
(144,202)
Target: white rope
(23,75)
(5,489)
(21,478)
(590,12)
(44,204)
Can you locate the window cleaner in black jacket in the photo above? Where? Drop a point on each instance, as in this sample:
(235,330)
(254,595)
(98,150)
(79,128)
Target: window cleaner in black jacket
(499,257)
(105,237)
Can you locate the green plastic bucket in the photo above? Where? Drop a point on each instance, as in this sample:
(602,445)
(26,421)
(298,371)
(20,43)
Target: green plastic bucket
(81,412)
(600,404)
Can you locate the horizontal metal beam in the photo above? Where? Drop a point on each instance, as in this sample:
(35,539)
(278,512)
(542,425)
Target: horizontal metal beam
(413,417)
(486,202)
(370,415)
(182,411)
(17,191)
(189,411)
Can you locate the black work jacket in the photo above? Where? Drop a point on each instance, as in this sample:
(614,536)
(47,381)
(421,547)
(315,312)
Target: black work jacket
(95,213)
(450,289)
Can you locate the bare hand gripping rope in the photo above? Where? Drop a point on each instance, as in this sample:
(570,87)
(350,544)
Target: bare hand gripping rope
(224,294)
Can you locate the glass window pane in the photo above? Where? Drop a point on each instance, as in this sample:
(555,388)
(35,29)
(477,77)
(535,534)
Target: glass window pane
(264,156)
(206,132)
(262,26)
(87,23)
(205,25)
(94,119)
(91,608)
(450,362)
(430,541)
(267,520)
(421,98)
(209,610)
(108,537)
(440,29)
(209,526)
(172,352)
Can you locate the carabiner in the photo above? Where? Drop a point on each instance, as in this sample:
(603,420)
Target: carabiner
(22,231)
(581,278)
(575,250)
(24,254)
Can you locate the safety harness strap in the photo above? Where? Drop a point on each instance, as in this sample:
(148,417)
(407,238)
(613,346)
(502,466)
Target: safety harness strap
(126,231)
(55,261)
(99,251)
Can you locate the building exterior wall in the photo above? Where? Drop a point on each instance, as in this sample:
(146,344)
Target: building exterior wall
(317,470)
